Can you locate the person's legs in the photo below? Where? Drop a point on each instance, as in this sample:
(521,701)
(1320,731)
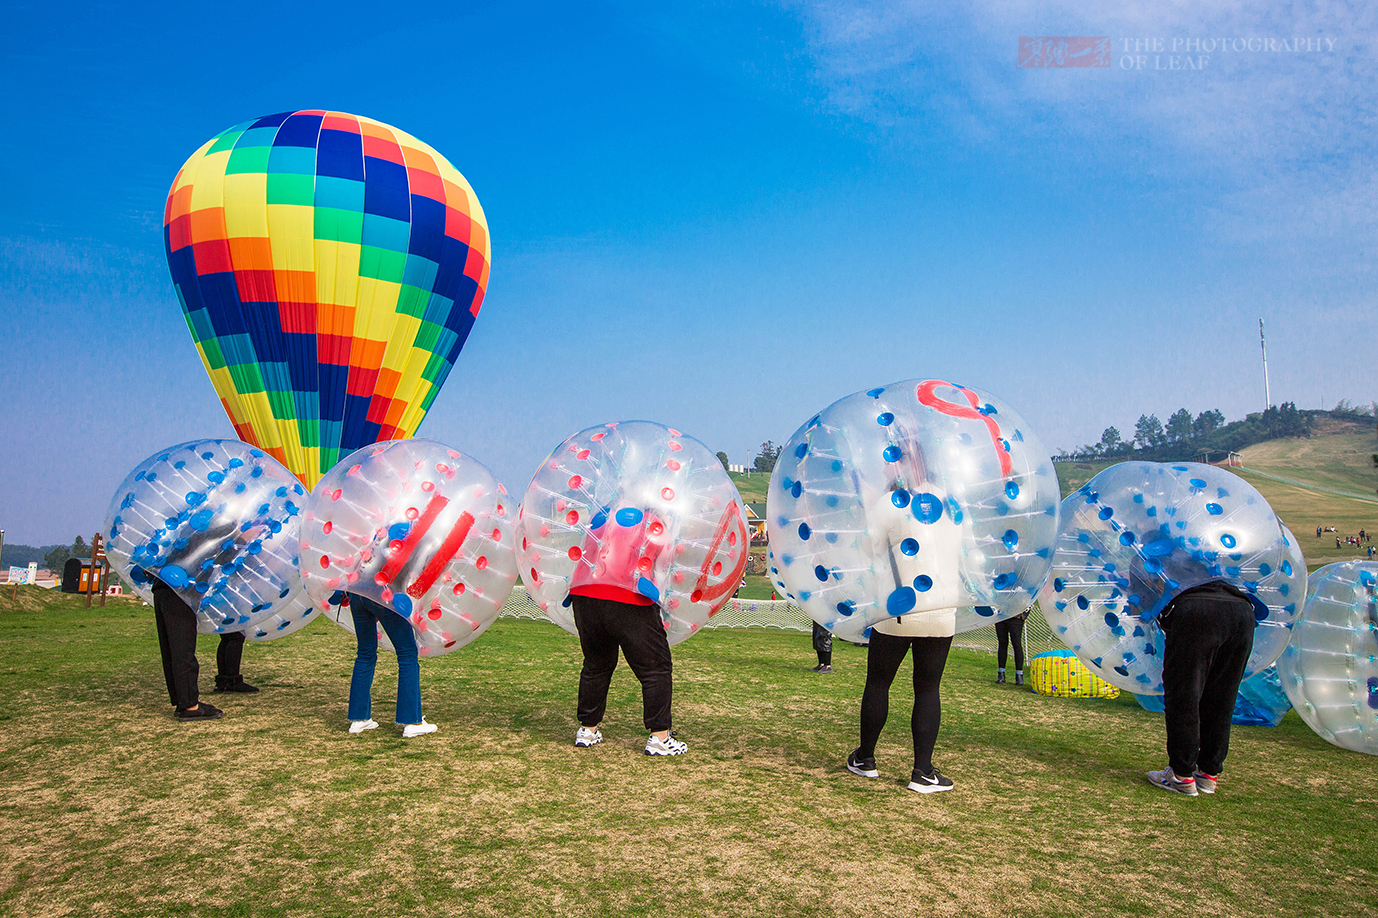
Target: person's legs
(930,658)
(883,658)
(1017,642)
(648,654)
(365,660)
(600,658)
(399,631)
(1002,647)
(823,645)
(177,640)
(1188,647)
(1222,688)
(228,656)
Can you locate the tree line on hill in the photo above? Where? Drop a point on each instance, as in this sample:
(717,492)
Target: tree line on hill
(50,557)
(1185,436)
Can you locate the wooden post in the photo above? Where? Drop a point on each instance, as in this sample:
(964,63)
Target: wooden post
(93,577)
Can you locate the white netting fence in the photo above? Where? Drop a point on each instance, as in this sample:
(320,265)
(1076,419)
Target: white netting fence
(783,614)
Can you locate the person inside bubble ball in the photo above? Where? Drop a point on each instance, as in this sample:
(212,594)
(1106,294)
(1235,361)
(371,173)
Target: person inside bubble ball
(1209,634)
(368,617)
(916,540)
(176,623)
(611,595)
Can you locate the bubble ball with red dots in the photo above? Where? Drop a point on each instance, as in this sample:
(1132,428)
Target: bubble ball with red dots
(918,496)
(637,506)
(419,528)
(215,520)
(1138,534)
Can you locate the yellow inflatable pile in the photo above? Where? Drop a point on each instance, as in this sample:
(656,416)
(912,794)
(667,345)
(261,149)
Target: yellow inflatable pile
(1059,672)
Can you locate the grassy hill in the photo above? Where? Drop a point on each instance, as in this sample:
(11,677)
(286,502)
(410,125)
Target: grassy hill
(752,487)
(1326,480)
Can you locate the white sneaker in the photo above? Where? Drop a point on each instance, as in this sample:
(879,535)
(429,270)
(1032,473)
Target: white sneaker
(1168,780)
(668,746)
(420,729)
(359,726)
(588,736)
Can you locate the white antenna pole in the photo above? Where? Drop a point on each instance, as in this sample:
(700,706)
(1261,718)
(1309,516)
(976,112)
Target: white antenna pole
(1263,343)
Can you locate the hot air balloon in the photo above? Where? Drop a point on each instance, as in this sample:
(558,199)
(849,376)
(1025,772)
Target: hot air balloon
(330,268)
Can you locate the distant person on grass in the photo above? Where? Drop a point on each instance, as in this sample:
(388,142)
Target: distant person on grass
(611,614)
(176,624)
(1209,633)
(368,617)
(1010,631)
(823,646)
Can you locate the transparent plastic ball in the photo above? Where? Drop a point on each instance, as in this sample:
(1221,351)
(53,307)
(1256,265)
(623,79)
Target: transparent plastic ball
(1139,534)
(217,521)
(637,506)
(419,528)
(293,614)
(917,496)
(1330,668)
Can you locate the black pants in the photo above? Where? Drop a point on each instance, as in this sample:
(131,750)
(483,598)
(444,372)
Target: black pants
(1007,632)
(228,655)
(823,644)
(883,660)
(606,625)
(177,641)
(1209,636)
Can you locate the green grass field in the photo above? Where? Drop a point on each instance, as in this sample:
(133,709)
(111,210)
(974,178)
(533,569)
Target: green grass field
(111,808)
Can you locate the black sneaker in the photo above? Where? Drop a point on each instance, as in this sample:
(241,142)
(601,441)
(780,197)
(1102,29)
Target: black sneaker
(866,767)
(203,711)
(235,684)
(999,678)
(930,783)
(1018,678)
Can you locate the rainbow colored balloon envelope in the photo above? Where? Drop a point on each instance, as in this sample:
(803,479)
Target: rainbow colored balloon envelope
(330,268)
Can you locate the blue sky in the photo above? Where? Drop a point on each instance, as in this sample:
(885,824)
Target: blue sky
(722,217)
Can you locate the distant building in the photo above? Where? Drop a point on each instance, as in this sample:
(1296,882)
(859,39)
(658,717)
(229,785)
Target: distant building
(739,469)
(756,522)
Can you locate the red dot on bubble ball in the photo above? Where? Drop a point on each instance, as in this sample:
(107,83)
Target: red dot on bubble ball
(657,528)
(598,436)
(574,553)
(325,562)
(643,565)
(497,535)
(387,596)
(327,527)
(696,596)
(672,465)
(412,513)
(336,494)
(679,577)
(535,577)
(380,578)
(459,589)
(668,493)
(731,538)
(717,568)
(395,545)
(545,530)
(427,486)
(675,433)
(582,454)
(482,563)
(575,481)
(502,511)
(434,615)
(675,446)
(449,644)
(572,517)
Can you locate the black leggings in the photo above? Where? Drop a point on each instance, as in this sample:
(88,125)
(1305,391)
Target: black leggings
(1010,631)
(823,644)
(1207,647)
(228,655)
(883,659)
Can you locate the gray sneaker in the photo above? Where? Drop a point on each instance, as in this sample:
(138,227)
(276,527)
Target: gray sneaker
(668,746)
(588,736)
(1167,779)
(1204,782)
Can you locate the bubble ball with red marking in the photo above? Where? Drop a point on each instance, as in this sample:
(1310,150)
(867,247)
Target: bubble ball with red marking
(1330,667)
(419,528)
(1140,533)
(217,521)
(639,507)
(917,496)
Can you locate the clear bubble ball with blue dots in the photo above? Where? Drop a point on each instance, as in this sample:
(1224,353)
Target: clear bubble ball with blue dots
(1330,668)
(419,528)
(217,521)
(920,496)
(290,616)
(640,508)
(1140,533)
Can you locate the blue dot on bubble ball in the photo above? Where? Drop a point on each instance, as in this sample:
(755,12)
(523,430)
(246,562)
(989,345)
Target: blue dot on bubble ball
(1005,581)
(923,583)
(1082,603)
(846,608)
(628,516)
(1011,539)
(402,603)
(1197,483)
(837,465)
(257,472)
(1228,540)
(900,601)
(1011,490)
(208,455)
(900,499)
(174,576)
(892,453)
(927,508)
(875,392)
(796,489)
(885,419)
(1126,538)
(910,547)
(236,462)
(801,451)
(821,572)
(1106,513)
(805,531)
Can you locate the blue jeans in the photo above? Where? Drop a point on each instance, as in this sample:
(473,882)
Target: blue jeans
(368,615)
